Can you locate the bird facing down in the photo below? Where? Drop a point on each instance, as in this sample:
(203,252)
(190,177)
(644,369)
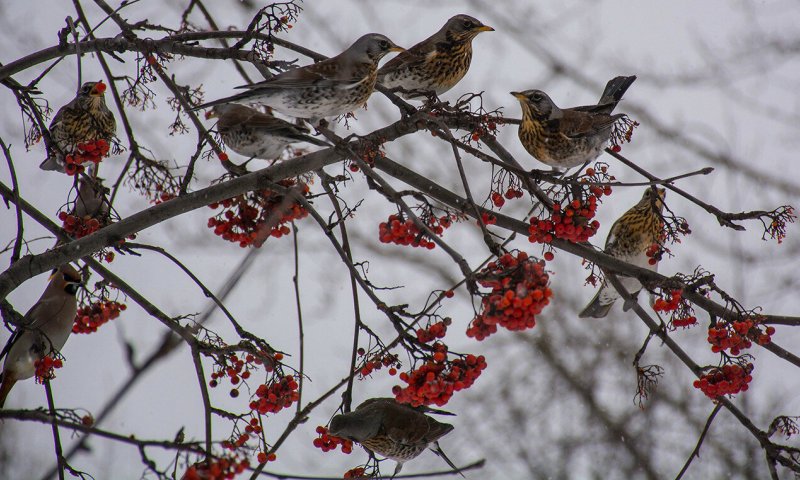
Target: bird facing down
(436,63)
(253,134)
(569,137)
(394,430)
(45,328)
(329,88)
(85,119)
(630,237)
(91,200)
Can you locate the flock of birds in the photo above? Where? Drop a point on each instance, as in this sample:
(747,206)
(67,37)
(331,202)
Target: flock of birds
(560,138)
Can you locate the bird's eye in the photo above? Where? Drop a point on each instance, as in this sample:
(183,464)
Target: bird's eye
(536,97)
(86,89)
(468,24)
(384,45)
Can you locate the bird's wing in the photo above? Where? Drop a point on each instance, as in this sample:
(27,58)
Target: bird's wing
(577,124)
(405,425)
(322,74)
(414,56)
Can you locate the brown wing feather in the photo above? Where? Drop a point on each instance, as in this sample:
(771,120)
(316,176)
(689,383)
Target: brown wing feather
(576,124)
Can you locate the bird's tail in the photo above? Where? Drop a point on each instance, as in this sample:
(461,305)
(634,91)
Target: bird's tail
(232,99)
(596,308)
(52,163)
(438,451)
(5,387)
(615,89)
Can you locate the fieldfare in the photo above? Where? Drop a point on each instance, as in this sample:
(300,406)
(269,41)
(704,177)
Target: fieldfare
(45,328)
(329,88)
(569,137)
(83,120)
(253,134)
(436,63)
(630,237)
(394,430)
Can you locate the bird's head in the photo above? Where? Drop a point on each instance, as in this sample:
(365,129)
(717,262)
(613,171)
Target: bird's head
(93,89)
(538,104)
(218,111)
(371,48)
(352,426)
(464,28)
(66,278)
(653,197)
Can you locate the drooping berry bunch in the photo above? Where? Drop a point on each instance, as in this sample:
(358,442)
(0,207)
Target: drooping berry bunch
(520,291)
(681,311)
(275,395)
(435,381)
(486,126)
(327,442)
(78,227)
(622,132)
(434,330)
(90,317)
(245,219)
(738,335)
(224,468)
(45,367)
(726,380)
(358,472)
(85,152)
(775,222)
(505,186)
(368,152)
(405,232)
(376,362)
(237,369)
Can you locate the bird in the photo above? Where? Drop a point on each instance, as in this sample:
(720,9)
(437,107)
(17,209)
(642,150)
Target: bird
(628,240)
(569,137)
(44,329)
(91,200)
(436,63)
(253,134)
(328,88)
(85,119)
(392,429)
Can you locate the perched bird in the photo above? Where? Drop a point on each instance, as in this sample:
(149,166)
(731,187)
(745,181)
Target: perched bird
(326,89)
(630,237)
(85,119)
(253,134)
(395,430)
(569,137)
(91,200)
(436,63)
(45,328)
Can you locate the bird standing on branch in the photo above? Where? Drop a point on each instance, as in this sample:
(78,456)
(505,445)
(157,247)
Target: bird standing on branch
(437,63)
(629,239)
(253,134)
(83,120)
(329,88)
(569,137)
(44,330)
(394,430)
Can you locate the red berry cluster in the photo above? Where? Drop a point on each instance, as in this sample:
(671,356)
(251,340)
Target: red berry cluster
(218,469)
(736,336)
(78,227)
(276,396)
(434,331)
(488,126)
(376,362)
(243,219)
(89,318)
(327,442)
(499,199)
(358,472)
(519,293)
(488,218)
(264,457)
(368,153)
(237,369)
(438,378)
(728,380)
(682,315)
(655,253)
(396,230)
(570,222)
(45,368)
(85,152)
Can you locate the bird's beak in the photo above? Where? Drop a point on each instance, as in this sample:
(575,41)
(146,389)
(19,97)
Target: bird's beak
(396,48)
(99,89)
(211,114)
(519,95)
(662,192)
(484,28)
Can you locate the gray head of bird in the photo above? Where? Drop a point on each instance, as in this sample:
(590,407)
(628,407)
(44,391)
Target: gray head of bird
(67,279)
(218,111)
(538,104)
(371,48)
(463,27)
(353,426)
(92,89)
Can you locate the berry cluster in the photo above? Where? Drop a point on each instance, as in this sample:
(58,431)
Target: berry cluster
(327,442)
(264,457)
(45,368)
(236,369)
(89,318)
(519,293)
(276,396)
(737,336)
(655,253)
(488,219)
(572,222)
(376,362)
(406,232)
(78,227)
(499,199)
(85,152)
(728,380)
(622,132)
(217,469)
(368,152)
(682,312)
(358,472)
(438,378)
(434,331)
(244,218)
